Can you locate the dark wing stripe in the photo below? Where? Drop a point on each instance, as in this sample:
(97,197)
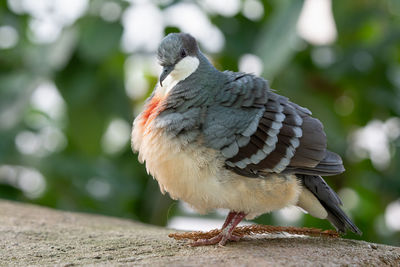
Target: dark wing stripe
(270,124)
(272,159)
(264,138)
(284,162)
(276,138)
(292,118)
(258,140)
(262,142)
(288,141)
(248,150)
(264,127)
(274,116)
(256,155)
(280,137)
(273,106)
(261,136)
(293,131)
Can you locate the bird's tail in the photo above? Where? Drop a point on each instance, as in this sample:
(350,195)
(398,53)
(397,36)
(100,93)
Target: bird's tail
(340,220)
(331,202)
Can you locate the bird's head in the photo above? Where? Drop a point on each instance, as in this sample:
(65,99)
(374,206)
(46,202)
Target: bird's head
(178,54)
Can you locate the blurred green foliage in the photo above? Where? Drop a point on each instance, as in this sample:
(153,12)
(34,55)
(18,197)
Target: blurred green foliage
(346,85)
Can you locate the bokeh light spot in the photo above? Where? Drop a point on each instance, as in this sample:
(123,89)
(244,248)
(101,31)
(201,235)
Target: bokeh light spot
(288,216)
(116,136)
(392,216)
(98,188)
(110,11)
(227,8)
(190,18)
(253,9)
(27,142)
(316,23)
(136,67)
(47,99)
(31,182)
(373,141)
(251,64)
(349,198)
(8,37)
(143,27)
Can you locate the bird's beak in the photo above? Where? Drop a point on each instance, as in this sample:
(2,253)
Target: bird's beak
(166,71)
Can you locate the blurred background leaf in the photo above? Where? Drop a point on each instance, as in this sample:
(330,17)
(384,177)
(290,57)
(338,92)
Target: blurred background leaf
(74,73)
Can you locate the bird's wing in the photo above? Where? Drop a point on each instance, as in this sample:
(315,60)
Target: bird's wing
(230,123)
(262,132)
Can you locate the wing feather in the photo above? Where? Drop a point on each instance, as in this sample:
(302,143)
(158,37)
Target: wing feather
(261,132)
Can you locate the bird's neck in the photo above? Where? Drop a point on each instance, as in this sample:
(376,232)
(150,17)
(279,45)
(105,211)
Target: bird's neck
(206,67)
(199,84)
(189,96)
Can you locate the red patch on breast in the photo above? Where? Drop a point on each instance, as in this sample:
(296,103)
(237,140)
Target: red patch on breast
(153,108)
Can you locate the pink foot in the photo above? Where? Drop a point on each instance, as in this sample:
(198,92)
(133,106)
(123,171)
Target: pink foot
(219,239)
(226,234)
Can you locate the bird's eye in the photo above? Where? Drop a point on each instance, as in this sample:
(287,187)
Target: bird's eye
(183,53)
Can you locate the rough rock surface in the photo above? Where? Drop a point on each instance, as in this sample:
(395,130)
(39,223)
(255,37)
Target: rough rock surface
(32,235)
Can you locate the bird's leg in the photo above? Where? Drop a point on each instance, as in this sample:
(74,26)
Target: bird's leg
(227,232)
(232,220)
(229,218)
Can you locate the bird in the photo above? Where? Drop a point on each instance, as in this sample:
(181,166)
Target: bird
(226,140)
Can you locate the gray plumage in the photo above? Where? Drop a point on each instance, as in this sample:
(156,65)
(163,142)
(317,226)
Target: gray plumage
(256,131)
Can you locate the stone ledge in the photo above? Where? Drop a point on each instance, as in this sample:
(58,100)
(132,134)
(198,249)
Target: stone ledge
(33,235)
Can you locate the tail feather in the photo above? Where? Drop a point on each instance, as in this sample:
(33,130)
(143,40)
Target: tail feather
(340,220)
(331,202)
